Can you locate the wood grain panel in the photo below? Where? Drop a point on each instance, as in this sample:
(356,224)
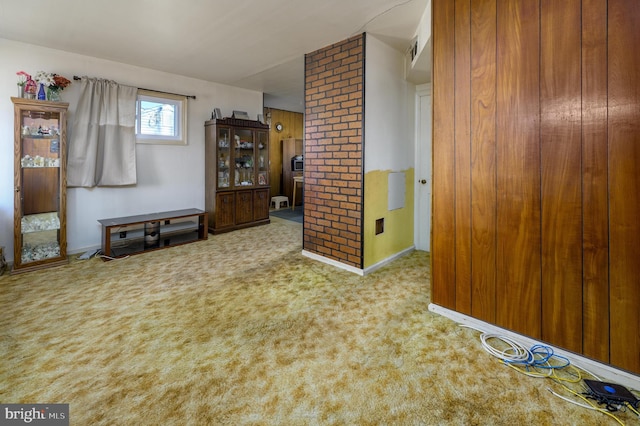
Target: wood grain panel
(560,151)
(518,183)
(293,127)
(443,238)
(483,158)
(595,339)
(41,190)
(463,154)
(624,181)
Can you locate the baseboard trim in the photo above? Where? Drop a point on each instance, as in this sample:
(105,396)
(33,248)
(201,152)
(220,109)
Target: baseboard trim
(332,262)
(355,270)
(388,260)
(604,371)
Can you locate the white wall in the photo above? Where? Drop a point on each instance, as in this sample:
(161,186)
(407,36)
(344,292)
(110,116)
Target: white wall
(389,109)
(169,177)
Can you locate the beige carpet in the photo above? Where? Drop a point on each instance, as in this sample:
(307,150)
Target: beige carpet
(242,329)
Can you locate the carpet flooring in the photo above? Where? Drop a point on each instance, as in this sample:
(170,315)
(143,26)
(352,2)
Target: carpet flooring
(241,329)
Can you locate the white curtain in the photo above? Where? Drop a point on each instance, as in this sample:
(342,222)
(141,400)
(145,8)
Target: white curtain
(102,148)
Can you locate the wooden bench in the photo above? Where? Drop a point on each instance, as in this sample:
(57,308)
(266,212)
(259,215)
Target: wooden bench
(124,236)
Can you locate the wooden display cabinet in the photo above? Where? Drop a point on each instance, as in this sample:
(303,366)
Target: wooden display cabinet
(40,183)
(236,174)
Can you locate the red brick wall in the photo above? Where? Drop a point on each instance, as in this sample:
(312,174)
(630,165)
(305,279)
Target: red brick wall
(333,156)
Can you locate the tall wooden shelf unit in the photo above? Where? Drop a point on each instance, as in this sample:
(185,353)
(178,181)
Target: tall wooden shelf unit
(40,183)
(236,174)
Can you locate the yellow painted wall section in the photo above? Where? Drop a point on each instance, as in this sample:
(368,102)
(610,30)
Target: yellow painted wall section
(398,223)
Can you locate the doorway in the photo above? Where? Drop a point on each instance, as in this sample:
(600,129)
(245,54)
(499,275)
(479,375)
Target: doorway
(422,213)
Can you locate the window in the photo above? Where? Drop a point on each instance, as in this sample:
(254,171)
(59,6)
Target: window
(161,118)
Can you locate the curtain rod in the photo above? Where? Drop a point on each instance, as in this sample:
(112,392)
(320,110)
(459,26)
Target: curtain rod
(75,77)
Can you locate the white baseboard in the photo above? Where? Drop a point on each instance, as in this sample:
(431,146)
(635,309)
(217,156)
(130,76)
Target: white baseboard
(603,371)
(388,260)
(358,271)
(332,262)
(83,250)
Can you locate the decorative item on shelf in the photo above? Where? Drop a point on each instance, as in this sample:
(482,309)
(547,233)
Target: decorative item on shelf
(151,234)
(53,94)
(41,93)
(30,88)
(53,82)
(241,115)
(23,77)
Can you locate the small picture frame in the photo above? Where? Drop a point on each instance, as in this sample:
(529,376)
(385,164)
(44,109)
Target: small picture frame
(54,146)
(261,118)
(217,114)
(262,178)
(241,115)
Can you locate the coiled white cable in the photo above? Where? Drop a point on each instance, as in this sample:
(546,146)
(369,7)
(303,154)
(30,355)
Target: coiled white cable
(515,352)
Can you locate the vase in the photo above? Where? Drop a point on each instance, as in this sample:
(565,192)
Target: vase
(53,94)
(21,91)
(41,94)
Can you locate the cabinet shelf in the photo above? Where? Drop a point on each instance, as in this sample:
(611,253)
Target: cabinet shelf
(50,137)
(40,252)
(39,222)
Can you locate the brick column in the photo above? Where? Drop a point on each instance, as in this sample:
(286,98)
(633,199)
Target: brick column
(333,157)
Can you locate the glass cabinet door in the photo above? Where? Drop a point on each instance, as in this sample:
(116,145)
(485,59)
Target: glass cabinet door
(224,157)
(244,158)
(263,158)
(40,184)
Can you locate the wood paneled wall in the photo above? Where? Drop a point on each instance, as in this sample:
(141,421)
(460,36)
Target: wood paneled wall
(536,209)
(293,127)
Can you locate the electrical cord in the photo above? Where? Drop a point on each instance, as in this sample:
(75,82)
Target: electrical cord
(630,407)
(104,256)
(540,361)
(515,352)
(589,404)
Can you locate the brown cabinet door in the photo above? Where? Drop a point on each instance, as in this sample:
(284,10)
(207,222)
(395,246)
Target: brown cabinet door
(244,206)
(225,209)
(261,204)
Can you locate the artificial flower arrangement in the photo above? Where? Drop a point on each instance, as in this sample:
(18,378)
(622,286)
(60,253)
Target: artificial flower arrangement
(22,78)
(53,83)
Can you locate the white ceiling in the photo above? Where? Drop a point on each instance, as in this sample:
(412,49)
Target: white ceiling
(258,45)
